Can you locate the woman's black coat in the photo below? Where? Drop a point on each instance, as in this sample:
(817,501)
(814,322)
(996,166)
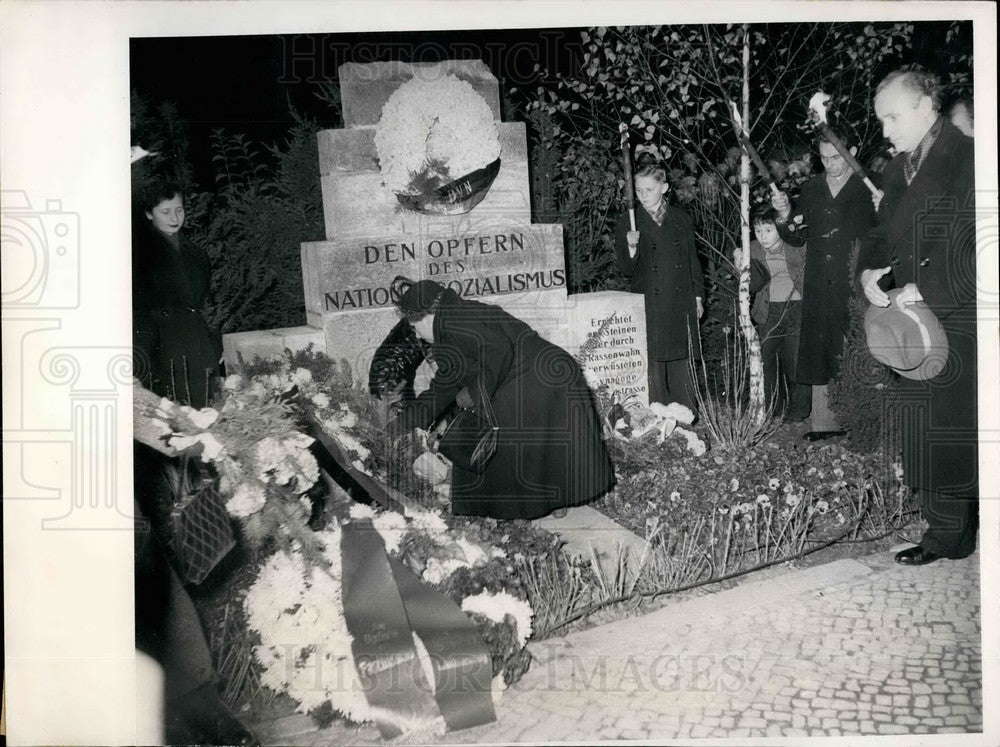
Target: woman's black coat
(551,451)
(176,351)
(833,225)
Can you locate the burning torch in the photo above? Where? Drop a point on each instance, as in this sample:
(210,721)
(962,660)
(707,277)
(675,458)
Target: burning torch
(817,110)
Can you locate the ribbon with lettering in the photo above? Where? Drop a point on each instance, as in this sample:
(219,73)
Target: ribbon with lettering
(385,604)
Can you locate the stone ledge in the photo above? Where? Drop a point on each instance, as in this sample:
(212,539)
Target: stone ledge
(268,343)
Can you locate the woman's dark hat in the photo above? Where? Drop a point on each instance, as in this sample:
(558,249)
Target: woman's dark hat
(414,297)
(911,340)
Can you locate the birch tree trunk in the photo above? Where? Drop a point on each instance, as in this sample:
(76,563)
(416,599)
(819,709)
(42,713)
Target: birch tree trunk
(754,361)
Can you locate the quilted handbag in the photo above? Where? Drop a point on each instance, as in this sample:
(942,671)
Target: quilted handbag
(201,533)
(469,438)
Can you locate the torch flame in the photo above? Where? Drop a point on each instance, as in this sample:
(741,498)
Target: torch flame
(817,105)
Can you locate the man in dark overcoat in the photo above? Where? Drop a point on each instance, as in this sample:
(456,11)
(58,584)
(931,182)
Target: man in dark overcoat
(661,261)
(836,210)
(925,244)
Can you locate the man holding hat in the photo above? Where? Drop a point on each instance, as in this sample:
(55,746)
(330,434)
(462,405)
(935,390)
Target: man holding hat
(919,265)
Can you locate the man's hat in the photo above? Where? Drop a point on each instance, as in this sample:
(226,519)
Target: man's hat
(911,340)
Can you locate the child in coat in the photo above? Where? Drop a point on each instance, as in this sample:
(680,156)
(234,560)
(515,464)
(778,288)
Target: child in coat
(776,271)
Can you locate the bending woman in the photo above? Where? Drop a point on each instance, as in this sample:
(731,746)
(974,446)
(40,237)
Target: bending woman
(551,452)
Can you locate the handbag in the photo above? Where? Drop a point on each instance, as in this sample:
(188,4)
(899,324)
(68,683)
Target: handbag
(469,438)
(200,530)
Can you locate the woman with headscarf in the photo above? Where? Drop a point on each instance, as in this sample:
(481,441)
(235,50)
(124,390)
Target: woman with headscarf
(550,452)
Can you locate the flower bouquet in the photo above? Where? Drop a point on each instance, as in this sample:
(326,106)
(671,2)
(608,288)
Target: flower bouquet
(438,146)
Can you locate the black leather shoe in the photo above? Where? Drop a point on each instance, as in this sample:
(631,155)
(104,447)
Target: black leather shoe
(916,555)
(823,435)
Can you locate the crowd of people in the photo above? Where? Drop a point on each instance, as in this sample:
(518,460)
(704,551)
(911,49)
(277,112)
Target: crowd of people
(916,234)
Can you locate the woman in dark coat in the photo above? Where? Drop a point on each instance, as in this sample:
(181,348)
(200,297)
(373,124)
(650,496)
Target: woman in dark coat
(834,221)
(177,352)
(551,451)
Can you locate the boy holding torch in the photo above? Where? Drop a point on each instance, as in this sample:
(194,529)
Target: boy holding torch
(655,249)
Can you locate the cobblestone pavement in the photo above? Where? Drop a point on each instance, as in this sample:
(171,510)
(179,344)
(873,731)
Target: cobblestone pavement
(850,648)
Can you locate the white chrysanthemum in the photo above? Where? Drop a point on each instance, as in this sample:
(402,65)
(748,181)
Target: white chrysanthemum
(360,511)
(320,400)
(763,500)
(694,444)
(345,417)
(734,485)
(256,390)
(302,377)
(444,120)
(305,644)
(774,483)
(392,528)
(674,496)
(793,499)
(437,571)
(232,382)
(497,606)
(474,554)
(287,459)
(426,521)
(246,501)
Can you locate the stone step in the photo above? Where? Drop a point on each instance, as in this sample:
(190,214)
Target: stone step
(588,534)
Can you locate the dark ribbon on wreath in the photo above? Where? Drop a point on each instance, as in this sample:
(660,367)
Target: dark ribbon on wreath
(454,198)
(385,603)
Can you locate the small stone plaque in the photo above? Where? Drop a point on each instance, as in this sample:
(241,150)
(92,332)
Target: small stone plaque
(618,357)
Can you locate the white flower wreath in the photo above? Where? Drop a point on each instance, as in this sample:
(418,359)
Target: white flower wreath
(434,130)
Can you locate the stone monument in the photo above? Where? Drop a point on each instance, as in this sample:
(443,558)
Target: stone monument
(492,253)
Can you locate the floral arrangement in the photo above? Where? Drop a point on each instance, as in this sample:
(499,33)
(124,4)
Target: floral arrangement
(293,605)
(256,448)
(626,418)
(297,611)
(432,132)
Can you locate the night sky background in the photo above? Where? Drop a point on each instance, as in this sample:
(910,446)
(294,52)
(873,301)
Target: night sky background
(248,84)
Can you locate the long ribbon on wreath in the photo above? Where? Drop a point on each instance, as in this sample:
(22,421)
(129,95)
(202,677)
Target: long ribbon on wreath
(385,604)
